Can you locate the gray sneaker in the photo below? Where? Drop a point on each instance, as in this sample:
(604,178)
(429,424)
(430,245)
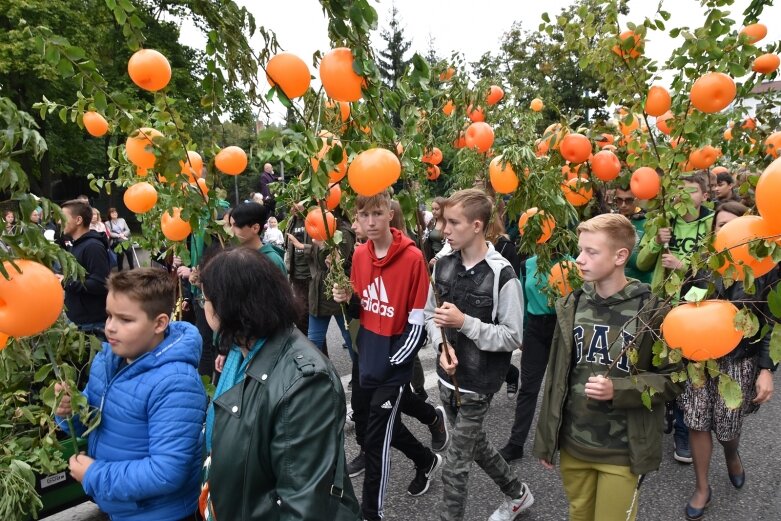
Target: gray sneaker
(511,509)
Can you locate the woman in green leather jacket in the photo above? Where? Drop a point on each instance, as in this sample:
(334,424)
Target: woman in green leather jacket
(275,426)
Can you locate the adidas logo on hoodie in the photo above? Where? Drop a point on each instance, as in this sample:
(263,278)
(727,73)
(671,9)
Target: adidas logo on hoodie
(375,299)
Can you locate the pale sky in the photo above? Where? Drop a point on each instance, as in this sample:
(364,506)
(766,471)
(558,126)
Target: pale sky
(459,25)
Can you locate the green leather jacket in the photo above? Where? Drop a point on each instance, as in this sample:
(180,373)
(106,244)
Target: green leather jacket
(278,442)
(644,427)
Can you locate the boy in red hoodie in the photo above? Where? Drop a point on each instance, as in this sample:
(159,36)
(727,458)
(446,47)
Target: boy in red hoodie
(390,284)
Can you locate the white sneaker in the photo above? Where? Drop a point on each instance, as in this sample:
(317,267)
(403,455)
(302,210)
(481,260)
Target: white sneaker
(511,509)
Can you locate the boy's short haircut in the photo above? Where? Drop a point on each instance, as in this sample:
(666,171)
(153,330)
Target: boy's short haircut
(477,205)
(725,177)
(700,178)
(618,229)
(247,214)
(79,208)
(380,200)
(154,289)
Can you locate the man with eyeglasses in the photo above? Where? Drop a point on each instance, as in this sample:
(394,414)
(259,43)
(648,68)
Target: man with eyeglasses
(624,202)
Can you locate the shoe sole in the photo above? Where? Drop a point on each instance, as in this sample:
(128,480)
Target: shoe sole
(681,459)
(447,431)
(438,460)
(357,473)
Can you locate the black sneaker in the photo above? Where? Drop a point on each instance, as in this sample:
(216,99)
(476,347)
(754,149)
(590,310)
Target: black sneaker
(420,483)
(357,465)
(440,437)
(513,375)
(682,452)
(421,393)
(511,452)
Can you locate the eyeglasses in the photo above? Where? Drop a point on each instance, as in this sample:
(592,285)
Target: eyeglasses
(624,200)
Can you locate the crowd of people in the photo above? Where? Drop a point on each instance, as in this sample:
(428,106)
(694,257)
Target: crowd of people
(273,431)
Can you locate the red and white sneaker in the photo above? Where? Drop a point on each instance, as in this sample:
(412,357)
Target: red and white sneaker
(512,508)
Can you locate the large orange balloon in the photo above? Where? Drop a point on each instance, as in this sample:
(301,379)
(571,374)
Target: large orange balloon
(658,101)
(713,92)
(773,144)
(149,69)
(577,191)
(475,114)
(547,224)
(140,198)
(433,172)
(30,300)
(192,166)
(504,180)
(662,123)
(704,157)
(645,183)
(289,72)
(766,63)
(139,147)
(736,236)
(174,227)
(333,196)
(338,76)
(553,135)
(575,148)
(703,330)
(316,227)
(605,165)
(373,171)
(767,196)
(495,95)
(433,157)
(754,32)
(480,136)
(231,160)
(96,125)
(559,276)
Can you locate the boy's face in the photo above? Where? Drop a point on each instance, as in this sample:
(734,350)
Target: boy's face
(72,222)
(723,189)
(695,192)
(625,202)
(459,230)
(244,234)
(129,330)
(375,221)
(598,258)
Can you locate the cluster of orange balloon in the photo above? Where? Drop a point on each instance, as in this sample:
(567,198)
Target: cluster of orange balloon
(577,191)
(503,178)
(31,299)
(547,223)
(338,75)
(702,330)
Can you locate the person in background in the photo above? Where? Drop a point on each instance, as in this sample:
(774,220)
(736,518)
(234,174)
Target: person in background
(247,221)
(266,178)
(96,223)
(625,204)
(433,238)
(120,239)
(297,263)
(725,188)
(273,235)
(9,218)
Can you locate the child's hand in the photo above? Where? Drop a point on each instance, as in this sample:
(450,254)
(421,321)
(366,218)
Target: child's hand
(449,316)
(663,236)
(64,407)
(449,368)
(599,388)
(340,294)
(547,464)
(764,386)
(671,262)
(219,363)
(78,465)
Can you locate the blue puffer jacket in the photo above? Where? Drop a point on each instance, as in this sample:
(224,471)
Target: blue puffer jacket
(149,445)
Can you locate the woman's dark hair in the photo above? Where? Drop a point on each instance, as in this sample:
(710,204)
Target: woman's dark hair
(249,294)
(733,207)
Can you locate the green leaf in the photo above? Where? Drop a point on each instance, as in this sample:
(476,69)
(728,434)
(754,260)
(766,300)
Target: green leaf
(775,344)
(730,392)
(696,294)
(747,322)
(645,396)
(774,301)
(546,17)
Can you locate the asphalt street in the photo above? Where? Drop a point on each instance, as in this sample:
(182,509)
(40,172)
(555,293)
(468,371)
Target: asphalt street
(663,494)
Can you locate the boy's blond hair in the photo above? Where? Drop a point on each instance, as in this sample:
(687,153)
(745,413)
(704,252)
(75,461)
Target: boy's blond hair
(153,289)
(617,228)
(380,200)
(476,204)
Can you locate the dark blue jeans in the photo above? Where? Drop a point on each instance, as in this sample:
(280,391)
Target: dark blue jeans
(318,327)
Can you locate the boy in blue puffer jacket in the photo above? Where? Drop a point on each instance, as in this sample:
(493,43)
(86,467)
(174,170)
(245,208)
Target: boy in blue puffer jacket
(144,458)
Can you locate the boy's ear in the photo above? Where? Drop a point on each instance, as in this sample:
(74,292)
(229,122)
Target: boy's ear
(161,323)
(622,256)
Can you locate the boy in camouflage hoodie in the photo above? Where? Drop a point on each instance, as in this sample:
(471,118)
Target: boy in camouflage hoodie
(592,409)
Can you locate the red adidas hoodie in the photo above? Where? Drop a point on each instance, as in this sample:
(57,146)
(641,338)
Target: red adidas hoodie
(392,292)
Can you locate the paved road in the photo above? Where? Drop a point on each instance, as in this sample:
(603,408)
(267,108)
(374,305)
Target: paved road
(663,496)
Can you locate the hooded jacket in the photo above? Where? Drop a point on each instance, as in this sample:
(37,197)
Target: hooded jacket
(149,445)
(492,302)
(85,302)
(392,292)
(686,239)
(609,321)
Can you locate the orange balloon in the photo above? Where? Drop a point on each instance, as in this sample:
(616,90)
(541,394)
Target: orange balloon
(340,170)
(577,191)
(547,223)
(231,160)
(495,95)
(540,148)
(447,74)
(645,183)
(735,237)
(140,198)
(571,171)
(704,157)
(316,227)
(344,108)
(702,330)
(658,101)
(559,276)
(662,125)
(449,107)
(536,105)
(553,135)
(201,186)
(718,170)
(192,167)
(773,144)
(433,172)
(503,178)
(373,171)
(749,124)
(289,72)
(139,146)
(3,340)
(754,32)
(475,114)
(149,69)
(605,165)
(173,226)
(480,136)
(31,299)
(575,148)
(338,76)
(635,49)
(605,140)
(628,128)
(96,125)
(766,63)
(713,92)
(766,195)
(433,157)
(460,141)
(333,196)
